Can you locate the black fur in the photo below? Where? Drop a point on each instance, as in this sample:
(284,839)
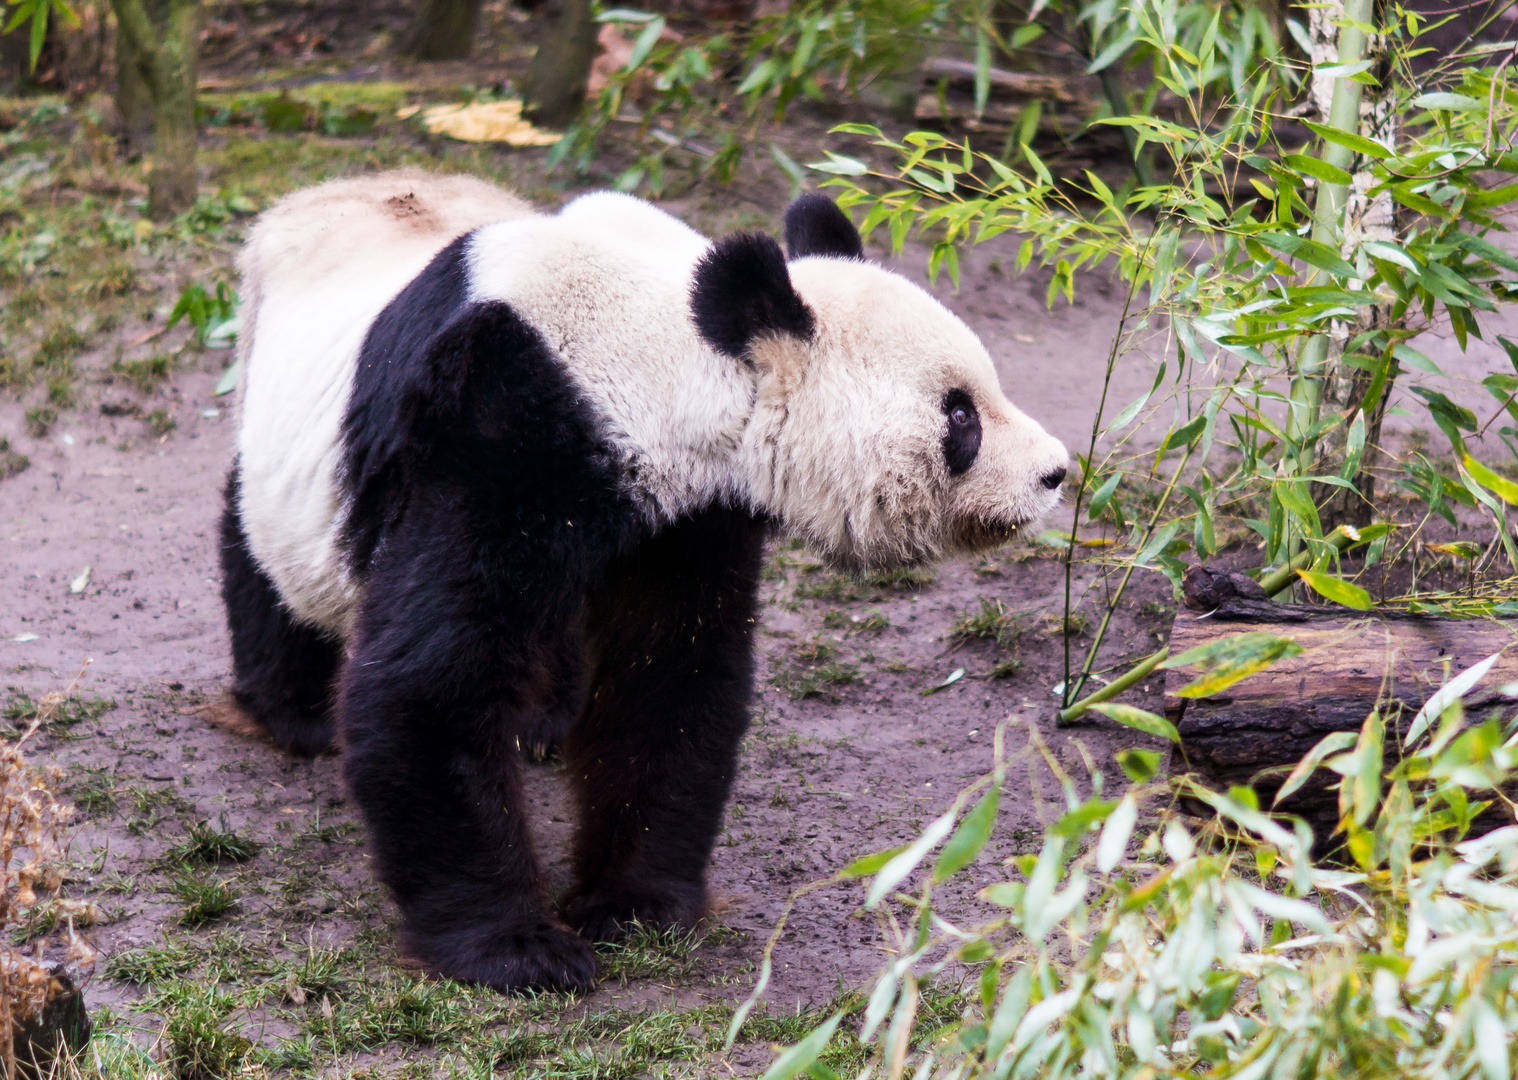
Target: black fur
(390,388)
(282,672)
(513,591)
(961,439)
(742,290)
(815,226)
(652,758)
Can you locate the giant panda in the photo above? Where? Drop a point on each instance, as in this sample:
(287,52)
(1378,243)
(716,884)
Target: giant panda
(504,478)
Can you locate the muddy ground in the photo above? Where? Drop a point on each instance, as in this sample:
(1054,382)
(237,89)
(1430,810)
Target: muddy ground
(109,555)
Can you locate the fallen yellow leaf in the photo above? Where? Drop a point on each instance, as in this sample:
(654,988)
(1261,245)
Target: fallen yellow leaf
(483,121)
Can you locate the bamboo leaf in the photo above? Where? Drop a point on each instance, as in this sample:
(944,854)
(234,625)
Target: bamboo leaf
(1331,743)
(1336,589)
(1229,659)
(1358,143)
(1138,719)
(968,840)
(794,1062)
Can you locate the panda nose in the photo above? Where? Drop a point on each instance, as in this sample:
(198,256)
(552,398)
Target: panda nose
(1053,479)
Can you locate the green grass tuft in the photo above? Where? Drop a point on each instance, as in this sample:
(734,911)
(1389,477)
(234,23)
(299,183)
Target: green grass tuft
(206,845)
(202,899)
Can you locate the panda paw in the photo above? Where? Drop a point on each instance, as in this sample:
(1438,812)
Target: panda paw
(540,739)
(609,915)
(547,956)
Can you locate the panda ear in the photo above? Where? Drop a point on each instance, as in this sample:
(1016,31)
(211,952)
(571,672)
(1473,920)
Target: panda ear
(742,291)
(815,226)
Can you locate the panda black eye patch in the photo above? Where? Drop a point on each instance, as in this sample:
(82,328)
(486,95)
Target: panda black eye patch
(961,440)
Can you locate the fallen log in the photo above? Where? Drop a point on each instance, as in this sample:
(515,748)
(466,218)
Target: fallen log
(948,96)
(1256,730)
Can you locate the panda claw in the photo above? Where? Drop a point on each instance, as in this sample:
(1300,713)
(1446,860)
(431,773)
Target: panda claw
(548,957)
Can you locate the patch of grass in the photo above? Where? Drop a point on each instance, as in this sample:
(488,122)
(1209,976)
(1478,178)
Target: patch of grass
(837,588)
(151,965)
(993,622)
(116,279)
(410,1010)
(198,1041)
(206,845)
(908,579)
(74,709)
(12,462)
(870,623)
(60,389)
(202,899)
(1072,625)
(94,794)
(1006,667)
(161,422)
(144,374)
(40,421)
(819,681)
(60,344)
(647,952)
(815,650)
(15,374)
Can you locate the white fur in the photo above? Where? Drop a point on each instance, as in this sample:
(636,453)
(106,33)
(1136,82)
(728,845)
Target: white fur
(839,438)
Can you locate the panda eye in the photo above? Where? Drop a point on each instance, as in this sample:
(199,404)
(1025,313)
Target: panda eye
(961,440)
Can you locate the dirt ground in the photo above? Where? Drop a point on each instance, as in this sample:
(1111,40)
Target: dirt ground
(109,554)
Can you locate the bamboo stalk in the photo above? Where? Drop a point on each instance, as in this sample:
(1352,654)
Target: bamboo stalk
(1114,688)
(1343,113)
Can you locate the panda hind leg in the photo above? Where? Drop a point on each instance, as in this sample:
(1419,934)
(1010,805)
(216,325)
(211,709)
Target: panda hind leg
(567,679)
(282,672)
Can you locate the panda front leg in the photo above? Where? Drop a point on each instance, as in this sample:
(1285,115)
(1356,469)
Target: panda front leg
(653,756)
(443,673)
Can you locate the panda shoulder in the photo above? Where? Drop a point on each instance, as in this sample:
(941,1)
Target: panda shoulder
(611,215)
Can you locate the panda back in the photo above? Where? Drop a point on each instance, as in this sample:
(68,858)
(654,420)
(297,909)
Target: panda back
(317,270)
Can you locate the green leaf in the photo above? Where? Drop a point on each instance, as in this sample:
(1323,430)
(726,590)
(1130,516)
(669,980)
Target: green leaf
(1331,743)
(1309,251)
(1226,660)
(1317,168)
(1336,589)
(895,872)
(1184,435)
(1447,102)
(866,865)
(839,165)
(1140,766)
(1358,143)
(228,381)
(793,1062)
(1500,486)
(1139,719)
(1414,359)
(969,838)
(1104,495)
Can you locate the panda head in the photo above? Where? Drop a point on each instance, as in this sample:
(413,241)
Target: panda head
(880,433)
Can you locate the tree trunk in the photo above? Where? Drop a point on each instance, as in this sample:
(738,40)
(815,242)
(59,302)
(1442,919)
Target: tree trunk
(554,88)
(442,30)
(166,46)
(132,100)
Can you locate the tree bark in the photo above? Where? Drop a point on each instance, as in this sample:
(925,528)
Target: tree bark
(442,30)
(554,87)
(132,100)
(164,40)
